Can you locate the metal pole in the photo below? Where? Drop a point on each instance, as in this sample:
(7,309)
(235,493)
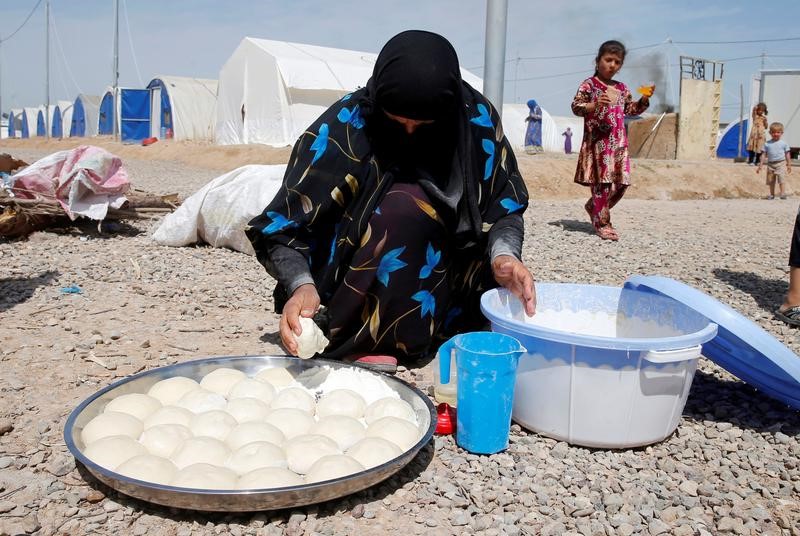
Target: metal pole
(495,53)
(47,70)
(741,119)
(115,89)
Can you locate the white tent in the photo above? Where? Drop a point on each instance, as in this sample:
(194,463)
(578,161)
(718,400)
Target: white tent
(514,126)
(271,91)
(65,109)
(31,116)
(186,106)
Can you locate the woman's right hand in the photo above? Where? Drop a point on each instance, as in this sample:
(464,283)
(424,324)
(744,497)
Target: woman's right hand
(304,302)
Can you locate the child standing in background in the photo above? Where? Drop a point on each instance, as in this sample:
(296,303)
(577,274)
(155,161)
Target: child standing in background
(758,134)
(778,157)
(603,162)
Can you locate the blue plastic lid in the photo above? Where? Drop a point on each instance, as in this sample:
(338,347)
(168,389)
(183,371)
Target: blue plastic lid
(741,347)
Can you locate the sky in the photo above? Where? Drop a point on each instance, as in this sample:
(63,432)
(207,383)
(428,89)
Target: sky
(194,38)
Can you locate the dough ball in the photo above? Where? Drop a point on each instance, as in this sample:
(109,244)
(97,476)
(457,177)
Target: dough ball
(250,388)
(332,466)
(294,397)
(302,451)
(374,451)
(311,341)
(399,431)
(292,422)
(341,402)
(255,456)
(169,415)
(390,407)
(250,432)
(164,439)
(136,404)
(149,468)
(111,423)
(221,380)
(278,377)
(200,450)
(346,431)
(201,400)
(111,451)
(205,476)
(269,477)
(247,409)
(169,391)
(215,423)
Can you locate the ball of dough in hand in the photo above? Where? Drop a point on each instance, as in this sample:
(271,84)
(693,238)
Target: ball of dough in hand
(294,397)
(111,423)
(374,451)
(247,409)
(111,451)
(311,340)
(269,477)
(399,431)
(250,432)
(205,476)
(251,388)
(164,439)
(221,380)
(346,431)
(172,389)
(201,450)
(201,400)
(255,456)
(169,415)
(390,407)
(149,468)
(278,377)
(215,423)
(341,402)
(302,451)
(292,422)
(136,404)
(332,466)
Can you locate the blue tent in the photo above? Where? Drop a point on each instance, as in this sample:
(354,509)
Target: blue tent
(134,114)
(105,125)
(726,147)
(165,112)
(29,122)
(41,129)
(84,115)
(14,123)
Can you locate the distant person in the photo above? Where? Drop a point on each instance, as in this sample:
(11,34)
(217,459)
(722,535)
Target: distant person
(603,162)
(567,140)
(758,134)
(789,311)
(533,135)
(402,203)
(778,156)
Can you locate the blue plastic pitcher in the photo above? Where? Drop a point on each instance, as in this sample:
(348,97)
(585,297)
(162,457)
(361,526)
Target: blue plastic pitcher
(486,363)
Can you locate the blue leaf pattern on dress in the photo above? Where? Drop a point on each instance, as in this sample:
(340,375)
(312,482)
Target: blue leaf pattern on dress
(427,300)
(488,148)
(321,143)
(354,117)
(279,222)
(333,242)
(510,205)
(390,263)
(484,119)
(432,258)
(346,97)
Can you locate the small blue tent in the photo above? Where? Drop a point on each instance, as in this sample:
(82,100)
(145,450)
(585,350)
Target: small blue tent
(165,111)
(41,128)
(85,112)
(134,115)
(15,123)
(62,117)
(726,147)
(105,124)
(29,122)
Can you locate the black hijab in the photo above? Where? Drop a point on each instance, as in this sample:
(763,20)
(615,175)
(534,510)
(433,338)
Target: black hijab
(417,76)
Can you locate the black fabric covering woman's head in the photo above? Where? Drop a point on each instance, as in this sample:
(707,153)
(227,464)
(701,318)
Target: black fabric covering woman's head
(417,76)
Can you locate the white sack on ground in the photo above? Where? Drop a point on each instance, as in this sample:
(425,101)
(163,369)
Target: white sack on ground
(219,212)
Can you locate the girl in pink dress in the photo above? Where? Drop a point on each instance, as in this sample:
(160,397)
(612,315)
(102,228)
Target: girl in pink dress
(603,162)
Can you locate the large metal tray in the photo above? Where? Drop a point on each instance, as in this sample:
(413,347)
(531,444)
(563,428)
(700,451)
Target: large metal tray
(240,500)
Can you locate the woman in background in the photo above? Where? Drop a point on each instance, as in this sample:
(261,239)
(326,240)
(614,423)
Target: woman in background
(533,134)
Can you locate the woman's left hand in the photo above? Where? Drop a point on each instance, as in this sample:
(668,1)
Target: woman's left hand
(512,274)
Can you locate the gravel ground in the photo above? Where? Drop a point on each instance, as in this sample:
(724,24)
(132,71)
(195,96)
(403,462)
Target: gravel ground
(731,467)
